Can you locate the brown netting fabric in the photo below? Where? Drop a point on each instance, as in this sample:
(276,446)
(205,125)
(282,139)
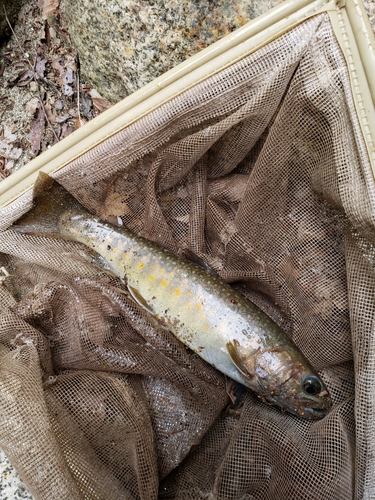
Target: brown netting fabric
(261,170)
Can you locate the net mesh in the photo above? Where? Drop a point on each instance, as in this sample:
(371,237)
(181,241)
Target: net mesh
(261,170)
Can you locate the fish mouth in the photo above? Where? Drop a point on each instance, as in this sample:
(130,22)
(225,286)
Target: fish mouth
(305,409)
(309,413)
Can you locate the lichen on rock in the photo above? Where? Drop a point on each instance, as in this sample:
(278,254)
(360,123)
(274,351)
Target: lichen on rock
(125,44)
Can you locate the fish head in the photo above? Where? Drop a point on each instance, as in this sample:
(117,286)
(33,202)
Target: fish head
(281,375)
(286,379)
(304,395)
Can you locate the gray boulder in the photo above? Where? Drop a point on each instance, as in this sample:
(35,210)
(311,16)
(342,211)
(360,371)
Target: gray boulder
(124,44)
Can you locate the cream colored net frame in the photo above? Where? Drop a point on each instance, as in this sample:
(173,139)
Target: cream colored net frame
(351,28)
(355,37)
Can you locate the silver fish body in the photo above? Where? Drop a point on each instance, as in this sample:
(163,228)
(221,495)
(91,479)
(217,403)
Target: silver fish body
(200,309)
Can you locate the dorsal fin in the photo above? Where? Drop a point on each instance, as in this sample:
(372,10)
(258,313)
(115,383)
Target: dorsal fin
(193,257)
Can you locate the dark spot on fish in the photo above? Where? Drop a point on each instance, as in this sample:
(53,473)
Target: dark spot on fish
(108,247)
(234,301)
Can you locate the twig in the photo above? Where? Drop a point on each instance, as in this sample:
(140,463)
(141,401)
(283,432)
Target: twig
(78,68)
(79,114)
(33,71)
(47,82)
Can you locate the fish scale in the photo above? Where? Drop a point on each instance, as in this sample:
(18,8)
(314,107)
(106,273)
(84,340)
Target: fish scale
(156,278)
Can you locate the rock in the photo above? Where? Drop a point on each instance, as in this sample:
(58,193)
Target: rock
(12,8)
(124,44)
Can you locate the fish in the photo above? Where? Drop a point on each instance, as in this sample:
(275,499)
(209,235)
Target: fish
(203,311)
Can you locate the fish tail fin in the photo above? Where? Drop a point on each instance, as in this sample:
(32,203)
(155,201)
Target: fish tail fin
(50,201)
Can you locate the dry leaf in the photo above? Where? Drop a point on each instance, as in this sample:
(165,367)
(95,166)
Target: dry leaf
(70,62)
(40,67)
(68,79)
(32,106)
(63,118)
(8,152)
(94,94)
(47,7)
(47,33)
(79,122)
(101,104)
(14,154)
(57,67)
(7,140)
(59,105)
(66,130)
(116,203)
(22,78)
(85,106)
(51,117)
(20,64)
(8,134)
(3,172)
(37,129)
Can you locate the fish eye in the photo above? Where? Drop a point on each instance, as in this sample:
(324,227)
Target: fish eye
(312,385)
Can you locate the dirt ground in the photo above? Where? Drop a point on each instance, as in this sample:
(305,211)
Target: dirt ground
(42,97)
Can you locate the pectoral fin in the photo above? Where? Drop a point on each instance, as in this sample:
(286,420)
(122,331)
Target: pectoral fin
(237,360)
(139,299)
